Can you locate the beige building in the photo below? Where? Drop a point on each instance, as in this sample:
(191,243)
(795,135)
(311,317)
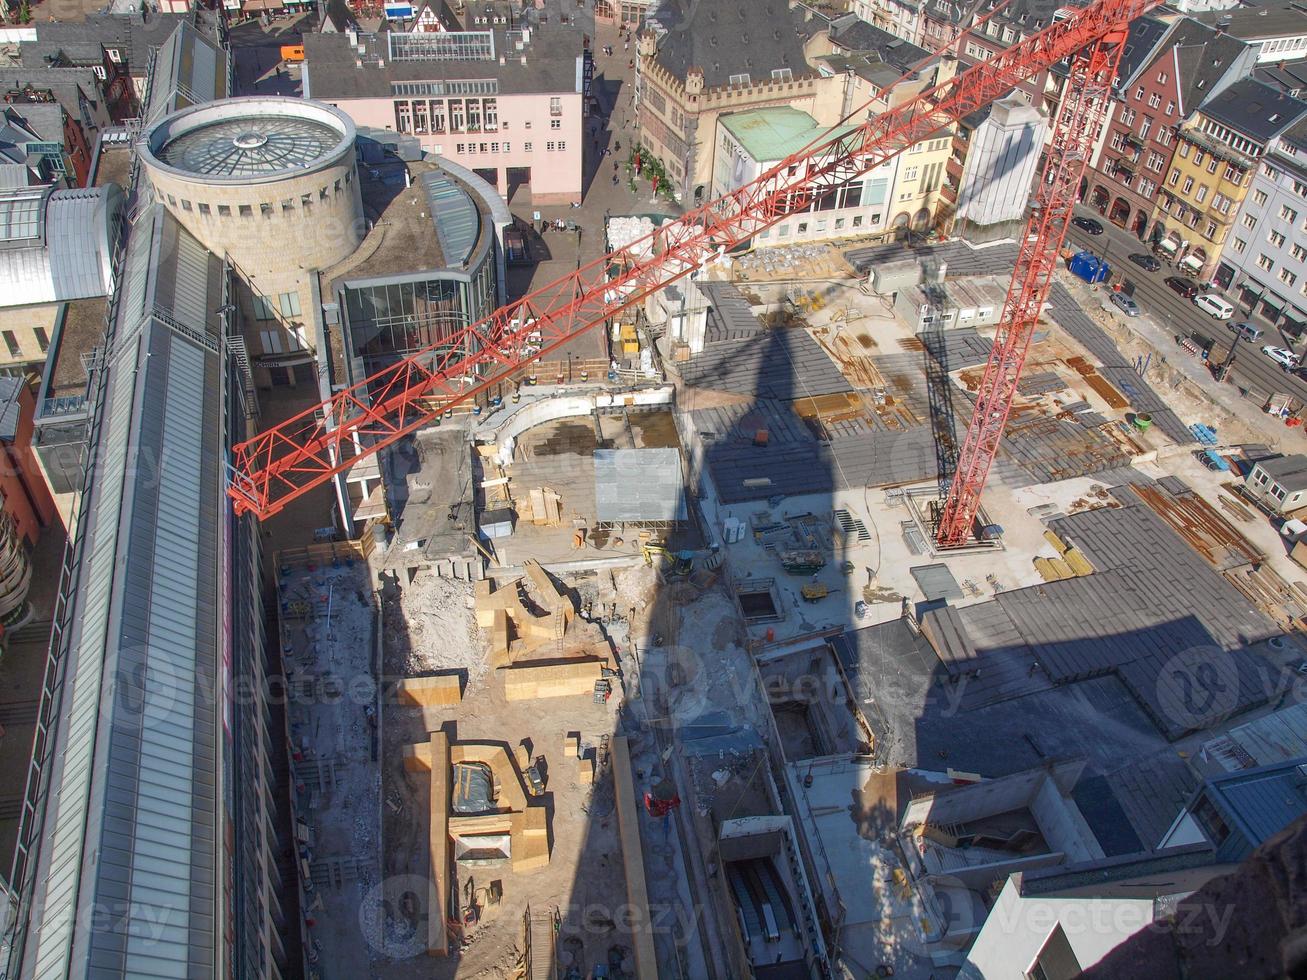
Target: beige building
(271,185)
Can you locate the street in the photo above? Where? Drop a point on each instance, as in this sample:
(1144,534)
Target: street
(1253,370)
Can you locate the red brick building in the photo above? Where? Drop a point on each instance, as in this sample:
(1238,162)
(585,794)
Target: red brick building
(1171,70)
(24,493)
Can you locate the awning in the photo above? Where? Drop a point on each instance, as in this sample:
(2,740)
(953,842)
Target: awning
(1167,245)
(1192,262)
(254,6)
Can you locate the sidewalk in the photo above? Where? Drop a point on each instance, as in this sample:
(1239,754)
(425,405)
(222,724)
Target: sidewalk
(1166,354)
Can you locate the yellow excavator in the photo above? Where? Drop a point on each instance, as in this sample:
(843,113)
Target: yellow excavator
(679,563)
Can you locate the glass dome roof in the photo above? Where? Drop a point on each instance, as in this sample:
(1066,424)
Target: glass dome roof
(253,145)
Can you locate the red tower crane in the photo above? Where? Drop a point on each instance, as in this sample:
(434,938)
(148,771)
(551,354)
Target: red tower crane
(276,466)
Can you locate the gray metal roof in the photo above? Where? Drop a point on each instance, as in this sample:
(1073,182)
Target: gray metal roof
(189,69)
(1288,471)
(132,819)
(639,485)
(457,221)
(60,245)
(1255,109)
(1261,802)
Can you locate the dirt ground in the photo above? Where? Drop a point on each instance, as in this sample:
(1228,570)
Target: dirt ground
(428,626)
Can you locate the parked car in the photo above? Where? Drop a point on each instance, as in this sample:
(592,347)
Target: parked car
(1145,262)
(1088,225)
(1185,287)
(1214,305)
(1125,304)
(1287,359)
(1246,330)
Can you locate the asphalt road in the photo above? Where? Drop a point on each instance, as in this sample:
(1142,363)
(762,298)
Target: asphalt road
(1252,370)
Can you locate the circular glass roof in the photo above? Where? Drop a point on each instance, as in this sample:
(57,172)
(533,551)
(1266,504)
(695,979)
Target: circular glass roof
(251,145)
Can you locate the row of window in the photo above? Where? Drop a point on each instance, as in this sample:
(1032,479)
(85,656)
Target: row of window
(819,226)
(266,209)
(550,147)
(1233,173)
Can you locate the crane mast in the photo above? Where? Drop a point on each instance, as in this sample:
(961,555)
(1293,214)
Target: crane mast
(1079,124)
(305,451)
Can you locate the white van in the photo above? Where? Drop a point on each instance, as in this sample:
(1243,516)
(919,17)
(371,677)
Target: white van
(1217,306)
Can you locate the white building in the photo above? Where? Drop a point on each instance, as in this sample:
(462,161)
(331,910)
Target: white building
(749,143)
(1001,158)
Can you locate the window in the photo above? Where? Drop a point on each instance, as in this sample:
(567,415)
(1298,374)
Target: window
(1156,162)
(1118,141)
(1162,77)
(1275,238)
(1212,165)
(555,124)
(527,147)
(740,79)
(1201,196)
(11,341)
(1163,136)
(1184,150)
(1299,253)
(1147,188)
(1127,117)
(1170,108)
(549,147)
(1287,277)
(270,341)
(224,211)
(186,206)
(839,223)
(1187,186)
(802,229)
(1288,214)
(562,146)
(1139,94)
(42,339)
(1249,221)
(1154,101)
(1259,198)
(1211,231)
(857,221)
(263,308)
(1175,176)
(1145,127)
(1199,157)
(1240,245)
(460,147)
(289,303)
(556,106)
(265,210)
(1265,262)
(782,75)
(910,173)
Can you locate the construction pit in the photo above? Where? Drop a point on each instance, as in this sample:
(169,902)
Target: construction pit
(688,618)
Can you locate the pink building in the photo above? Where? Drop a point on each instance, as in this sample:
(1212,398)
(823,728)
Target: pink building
(509,105)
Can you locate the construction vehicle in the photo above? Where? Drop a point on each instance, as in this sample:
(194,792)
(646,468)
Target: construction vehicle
(805,562)
(816,591)
(678,563)
(313,447)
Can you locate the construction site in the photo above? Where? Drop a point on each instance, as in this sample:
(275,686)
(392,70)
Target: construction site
(597,691)
(862,587)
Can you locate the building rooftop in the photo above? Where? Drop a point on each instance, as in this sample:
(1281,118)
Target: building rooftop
(1260,802)
(1202,56)
(11,408)
(1145,35)
(774,133)
(724,38)
(252,138)
(74,88)
(851,33)
(190,68)
(55,244)
(1256,20)
(1288,471)
(1289,77)
(83,42)
(549,61)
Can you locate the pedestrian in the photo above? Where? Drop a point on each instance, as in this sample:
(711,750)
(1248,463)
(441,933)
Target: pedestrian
(626,46)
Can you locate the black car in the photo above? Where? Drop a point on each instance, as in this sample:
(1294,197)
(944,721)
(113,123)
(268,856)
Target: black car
(1088,224)
(1185,287)
(1145,262)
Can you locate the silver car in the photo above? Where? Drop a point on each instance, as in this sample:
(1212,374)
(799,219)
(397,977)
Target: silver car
(1124,303)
